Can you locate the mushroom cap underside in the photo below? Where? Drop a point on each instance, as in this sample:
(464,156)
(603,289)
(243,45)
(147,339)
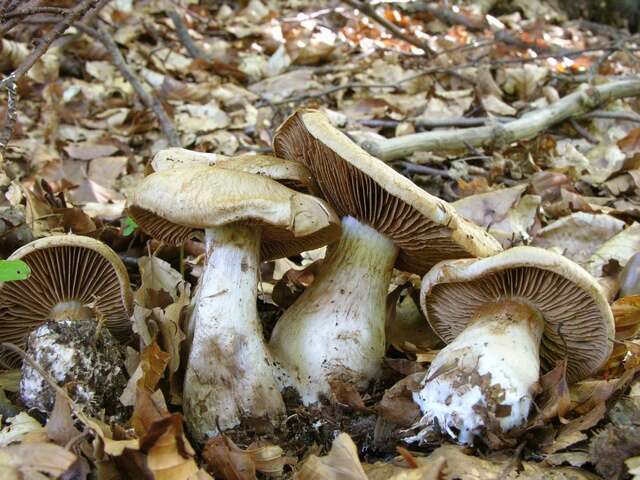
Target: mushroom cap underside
(425,228)
(170,205)
(64,268)
(579,324)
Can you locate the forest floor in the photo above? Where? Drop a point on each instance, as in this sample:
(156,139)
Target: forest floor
(220,77)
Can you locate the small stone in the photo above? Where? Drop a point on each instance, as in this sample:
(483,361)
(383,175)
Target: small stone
(89,363)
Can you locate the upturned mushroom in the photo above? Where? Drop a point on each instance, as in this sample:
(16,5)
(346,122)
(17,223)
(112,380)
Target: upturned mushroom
(292,174)
(72,278)
(335,330)
(246,218)
(504,319)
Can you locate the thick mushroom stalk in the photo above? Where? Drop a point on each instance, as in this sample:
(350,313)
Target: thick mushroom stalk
(230,373)
(487,376)
(335,330)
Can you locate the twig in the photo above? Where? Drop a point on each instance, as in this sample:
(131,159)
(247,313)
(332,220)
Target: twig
(10,82)
(445,15)
(449,70)
(370,12)
(583,132)
(36,11)
(529,125)
(424,170)
(624,116)
(149,101)
(183,34)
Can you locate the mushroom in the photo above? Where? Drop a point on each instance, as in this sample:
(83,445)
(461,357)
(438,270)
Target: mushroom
(72,278)
(246,218)
(292,174)
(335,330)
(504,318)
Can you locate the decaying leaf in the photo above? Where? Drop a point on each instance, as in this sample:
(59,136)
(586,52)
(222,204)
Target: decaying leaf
(25,460)
(341,463)
(579,235)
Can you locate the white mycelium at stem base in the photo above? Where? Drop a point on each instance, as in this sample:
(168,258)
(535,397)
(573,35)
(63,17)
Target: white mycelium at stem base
(488,373)
(230,373)
(335,330)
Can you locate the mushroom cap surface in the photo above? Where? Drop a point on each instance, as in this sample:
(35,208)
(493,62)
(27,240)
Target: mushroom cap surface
(578,320)
(170,205)
(64,268)
(292,174)
(425,228)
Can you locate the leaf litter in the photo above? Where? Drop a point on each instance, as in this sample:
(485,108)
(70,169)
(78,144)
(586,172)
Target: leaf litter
(83,140)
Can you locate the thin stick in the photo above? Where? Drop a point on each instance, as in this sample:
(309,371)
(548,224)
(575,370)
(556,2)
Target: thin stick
(149,101)
(624,116)
(183,34)
(370,12)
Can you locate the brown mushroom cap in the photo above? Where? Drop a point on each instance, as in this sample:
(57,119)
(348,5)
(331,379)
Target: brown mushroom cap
(170,205)
(578,319)
(425,228)
(292,174)
(64,268)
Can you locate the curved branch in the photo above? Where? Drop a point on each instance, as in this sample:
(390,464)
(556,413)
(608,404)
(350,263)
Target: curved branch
(498,135)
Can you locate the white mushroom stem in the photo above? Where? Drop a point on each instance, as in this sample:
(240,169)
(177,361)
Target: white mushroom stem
(229,376)
(335,330)
(485,378)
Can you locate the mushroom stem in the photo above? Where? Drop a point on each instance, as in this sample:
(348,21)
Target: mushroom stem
(486,377)
(335,330)
(229,376)
(70,310)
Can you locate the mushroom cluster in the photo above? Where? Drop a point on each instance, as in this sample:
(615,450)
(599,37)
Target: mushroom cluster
(506,316)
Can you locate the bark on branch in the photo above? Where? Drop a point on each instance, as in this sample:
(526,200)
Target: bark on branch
(502,134)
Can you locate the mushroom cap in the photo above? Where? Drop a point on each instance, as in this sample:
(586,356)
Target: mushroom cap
(425,228)
(169,205)
(578,320)
(64,268)
(292,174)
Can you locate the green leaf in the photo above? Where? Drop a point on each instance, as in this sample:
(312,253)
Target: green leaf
(129,225)
(13,270)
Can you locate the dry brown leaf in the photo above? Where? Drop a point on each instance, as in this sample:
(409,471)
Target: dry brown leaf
(405,326)
(225,460)
(397,403)
(89,150)
(626,313)
(29,458)
(555,400)
(620,248)
(60,426)
(578,235)
(22,428)
(169,455)
(341,463)
(346,394)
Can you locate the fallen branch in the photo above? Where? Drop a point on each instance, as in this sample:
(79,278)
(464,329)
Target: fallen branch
(370,12)
(500,135)
(149,101)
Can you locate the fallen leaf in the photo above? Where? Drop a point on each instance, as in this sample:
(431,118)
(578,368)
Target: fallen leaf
(29,458)
(579,235)
(341,463)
